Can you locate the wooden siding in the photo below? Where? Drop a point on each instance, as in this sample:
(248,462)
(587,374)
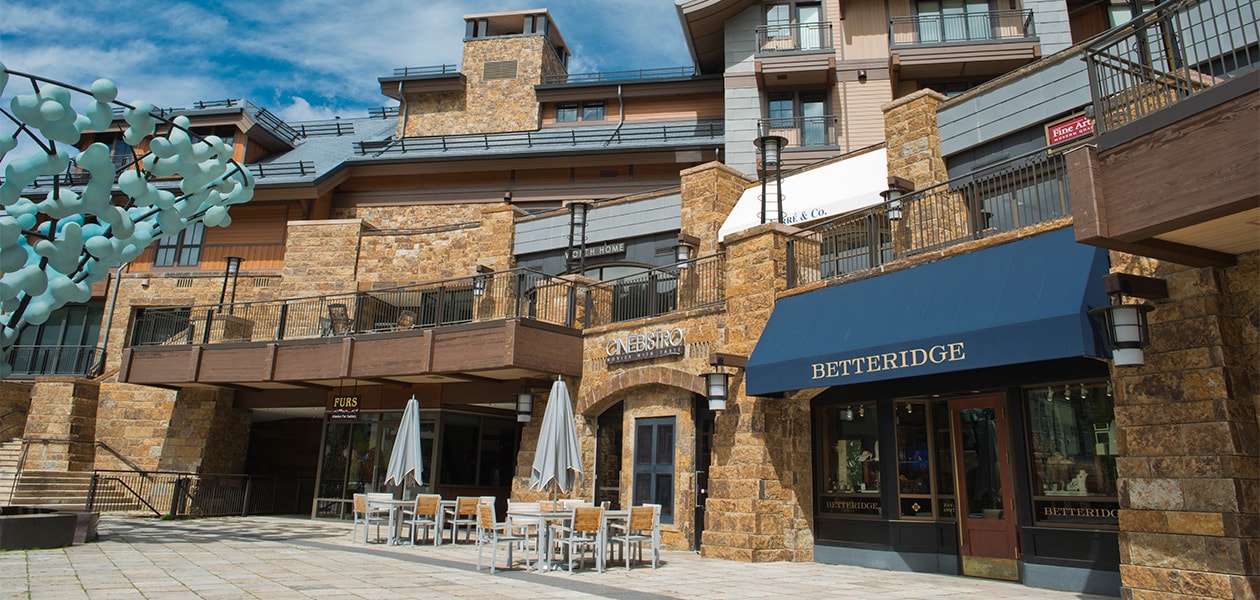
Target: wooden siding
(863,119)
(863,34)
(256,235)
(674,108)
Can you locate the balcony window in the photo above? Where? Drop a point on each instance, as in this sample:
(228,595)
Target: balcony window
(800,117)
(794,26)
(65,344)
(572,112)
(953,21)
(181,249)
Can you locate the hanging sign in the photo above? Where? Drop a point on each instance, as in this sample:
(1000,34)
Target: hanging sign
(1069,129)
(344,408)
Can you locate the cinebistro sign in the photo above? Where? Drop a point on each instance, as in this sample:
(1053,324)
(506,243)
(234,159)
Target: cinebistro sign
(889,361)
(642,346)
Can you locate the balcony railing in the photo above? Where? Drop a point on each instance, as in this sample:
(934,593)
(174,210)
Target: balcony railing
(554,138)
(336,127)
(427,71)
(518,293)
(30,361)
(1028,190)
(620,76)
(690,284)
(793,37)
(968,28)
(278,169)
(1170,53)
(803,132)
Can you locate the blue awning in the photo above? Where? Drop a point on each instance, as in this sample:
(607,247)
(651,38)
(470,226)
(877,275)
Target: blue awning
(1021,302)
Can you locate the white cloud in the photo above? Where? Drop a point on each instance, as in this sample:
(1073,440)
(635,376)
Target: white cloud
(301,110)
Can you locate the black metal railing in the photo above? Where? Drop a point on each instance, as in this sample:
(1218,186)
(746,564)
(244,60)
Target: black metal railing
(336,127)
(1168,54)
(1028,190)
(428,71)
(271,121)
(794,37)
(518,293)
(803,132)
(177,494)
(683,286)
(553,138)
(963,28)
(620,76)
(383,112)
(30,361)
(280,169)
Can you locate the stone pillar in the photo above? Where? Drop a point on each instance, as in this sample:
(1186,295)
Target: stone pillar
(914,153)
(206,433)
(15,403)
(709,192)
(63,411)
(321,257)
(759,483)
(132,421)
(1189,464)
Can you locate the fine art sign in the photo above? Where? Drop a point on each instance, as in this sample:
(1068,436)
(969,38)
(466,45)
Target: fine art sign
(1072,128)
(642,346)
(344,408)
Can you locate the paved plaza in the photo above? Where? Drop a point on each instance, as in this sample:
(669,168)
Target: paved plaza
(271,557)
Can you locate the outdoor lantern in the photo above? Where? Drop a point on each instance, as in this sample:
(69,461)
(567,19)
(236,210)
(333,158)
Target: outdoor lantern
(716,384)
(1125,331)
(771,147)
(479,281)
(577,213)
(682,252)
(577,236)
(524,407)
(897,187)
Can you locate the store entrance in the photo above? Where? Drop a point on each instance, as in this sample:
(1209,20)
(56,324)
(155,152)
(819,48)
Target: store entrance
(608,453)
(986,516)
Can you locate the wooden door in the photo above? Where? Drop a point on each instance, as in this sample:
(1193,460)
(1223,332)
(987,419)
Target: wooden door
(986,509)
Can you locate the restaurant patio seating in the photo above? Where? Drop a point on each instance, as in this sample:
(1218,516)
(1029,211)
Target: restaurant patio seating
(489,531)
(464,513)
(426,514)
(584,531)
(367,515)
(642,527)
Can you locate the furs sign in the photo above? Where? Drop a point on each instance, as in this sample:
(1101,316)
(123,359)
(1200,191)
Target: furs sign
(642,346)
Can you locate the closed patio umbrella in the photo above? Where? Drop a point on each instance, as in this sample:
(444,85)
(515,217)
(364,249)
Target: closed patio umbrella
(557,460)
(406,457)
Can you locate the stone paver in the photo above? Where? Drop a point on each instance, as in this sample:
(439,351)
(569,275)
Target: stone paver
(273,557)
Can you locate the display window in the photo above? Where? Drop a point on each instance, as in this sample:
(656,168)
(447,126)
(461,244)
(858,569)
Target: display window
(850,473)
(925,477)
(1072,439)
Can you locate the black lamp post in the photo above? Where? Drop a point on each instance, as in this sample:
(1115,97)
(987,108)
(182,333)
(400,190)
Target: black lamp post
(233,268)
(771,147)
(577,236)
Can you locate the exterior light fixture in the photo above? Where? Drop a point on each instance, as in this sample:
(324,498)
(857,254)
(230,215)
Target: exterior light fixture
(1125,332)
(897,187)
(716,385)
(524,407)
(771,147)
(846,414)
(479,281)
(577,236)
(232,270)
(682,252)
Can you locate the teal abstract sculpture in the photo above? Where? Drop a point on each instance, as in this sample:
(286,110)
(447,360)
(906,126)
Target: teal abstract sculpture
(95,216)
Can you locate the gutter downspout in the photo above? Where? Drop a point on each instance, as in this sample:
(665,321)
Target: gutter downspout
(621,117)
(109,316)
(402,123)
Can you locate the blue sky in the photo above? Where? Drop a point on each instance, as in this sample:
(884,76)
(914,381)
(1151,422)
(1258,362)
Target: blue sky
(301,59)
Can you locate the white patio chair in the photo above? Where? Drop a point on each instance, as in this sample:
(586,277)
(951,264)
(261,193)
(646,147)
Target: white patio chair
(584,531)
(424,515)
(489,531)
(643,527)
(367,515)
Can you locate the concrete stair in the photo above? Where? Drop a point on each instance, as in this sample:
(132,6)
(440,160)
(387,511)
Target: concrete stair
(52,489)
(10,454)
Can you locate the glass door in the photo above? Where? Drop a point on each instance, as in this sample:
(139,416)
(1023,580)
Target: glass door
(986,510)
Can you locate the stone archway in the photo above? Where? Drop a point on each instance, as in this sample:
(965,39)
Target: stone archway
(598,398)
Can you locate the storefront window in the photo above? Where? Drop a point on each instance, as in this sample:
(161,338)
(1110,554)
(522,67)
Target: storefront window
(925,476)
(850,460)
(1073,448)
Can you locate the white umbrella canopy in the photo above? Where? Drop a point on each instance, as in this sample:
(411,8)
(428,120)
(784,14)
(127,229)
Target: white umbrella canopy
(558,459)
(406,458)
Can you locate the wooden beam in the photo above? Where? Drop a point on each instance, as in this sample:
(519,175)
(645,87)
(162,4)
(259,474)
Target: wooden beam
(721,359)
(1137,286)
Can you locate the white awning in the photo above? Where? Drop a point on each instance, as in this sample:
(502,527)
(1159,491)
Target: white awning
(832,189)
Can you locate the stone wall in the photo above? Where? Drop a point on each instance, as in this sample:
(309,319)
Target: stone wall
(485,106)
(1189,464)
(63,415)
(321,257)
(416,244)
(15,402)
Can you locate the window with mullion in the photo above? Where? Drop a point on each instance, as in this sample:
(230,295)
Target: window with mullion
(181,249)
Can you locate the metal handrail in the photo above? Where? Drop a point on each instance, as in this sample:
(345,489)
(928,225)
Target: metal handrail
(300,168)
(620,76)
(550,138)
(1168,54)
(964,28)
(197,494)
(1019,193)
(426,71)
(803,132)
(793,37)
(682,286)
(50,360)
